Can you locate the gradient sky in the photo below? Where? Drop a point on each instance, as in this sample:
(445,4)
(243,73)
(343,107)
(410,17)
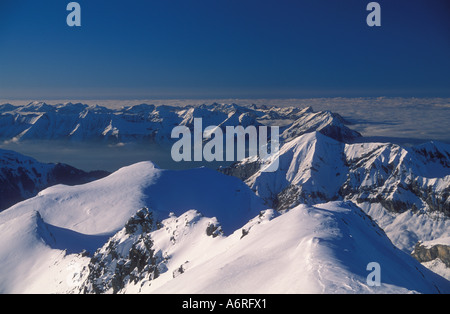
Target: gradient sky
(223,48)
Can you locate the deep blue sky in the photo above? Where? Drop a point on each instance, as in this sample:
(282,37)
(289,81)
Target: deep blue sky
(223,48)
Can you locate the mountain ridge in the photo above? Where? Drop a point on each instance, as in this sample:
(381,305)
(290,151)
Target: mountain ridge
(80,122)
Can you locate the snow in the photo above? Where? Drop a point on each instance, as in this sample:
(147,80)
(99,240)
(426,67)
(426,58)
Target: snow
(403,120)
(142,123)
(311,161)
(320,249)
(308,249)
(315,168)
(24,253)
(438,267)
(15,161)
(442,241)
(83,217)
(103,206)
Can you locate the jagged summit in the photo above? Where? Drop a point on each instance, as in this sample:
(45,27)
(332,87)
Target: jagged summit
(317,250)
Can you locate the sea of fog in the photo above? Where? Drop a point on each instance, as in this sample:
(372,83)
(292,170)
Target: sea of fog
(90,157)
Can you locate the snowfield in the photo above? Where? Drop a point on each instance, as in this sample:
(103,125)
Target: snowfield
(194,238)
(321,249)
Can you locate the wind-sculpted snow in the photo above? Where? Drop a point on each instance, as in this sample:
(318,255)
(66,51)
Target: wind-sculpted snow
(407,190)
(149,123)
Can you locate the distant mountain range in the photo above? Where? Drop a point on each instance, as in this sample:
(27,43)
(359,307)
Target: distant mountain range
(79,122)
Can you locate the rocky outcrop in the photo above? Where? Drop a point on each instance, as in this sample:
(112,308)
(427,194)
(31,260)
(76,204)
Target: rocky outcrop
(242,170)
(424,253)
(214,230)
(140,252)
(128,257)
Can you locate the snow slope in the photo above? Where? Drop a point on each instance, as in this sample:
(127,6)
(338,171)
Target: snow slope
(320,249)
(103,206)
(76,218)
(147,230)
(406,190)
(24,253)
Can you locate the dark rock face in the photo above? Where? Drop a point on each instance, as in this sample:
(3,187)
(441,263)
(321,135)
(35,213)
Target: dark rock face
(141,222)
(241,170)
(424,254)
(180,270)
(15,187)
(22,177)
(214,230)
(288,198)
(128,257)
(68,175)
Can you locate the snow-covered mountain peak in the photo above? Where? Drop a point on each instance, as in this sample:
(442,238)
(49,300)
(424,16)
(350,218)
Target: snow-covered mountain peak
(301,161)
(385,179)
(14,159)
(37,106)
(325,122)
(103,206)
